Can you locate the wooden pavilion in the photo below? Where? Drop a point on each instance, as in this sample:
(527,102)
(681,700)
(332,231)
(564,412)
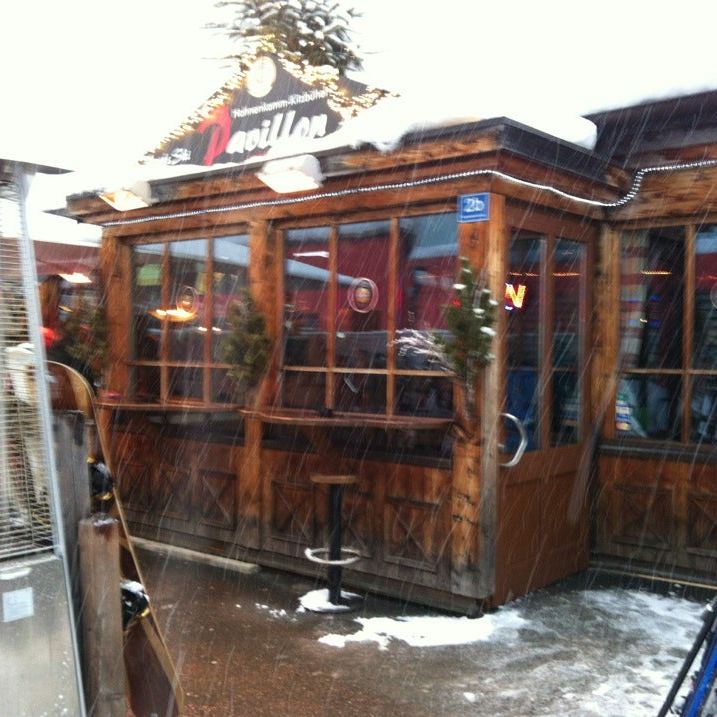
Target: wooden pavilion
(606,257)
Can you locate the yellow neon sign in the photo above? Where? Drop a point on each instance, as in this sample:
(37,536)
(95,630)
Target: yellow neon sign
(514,298)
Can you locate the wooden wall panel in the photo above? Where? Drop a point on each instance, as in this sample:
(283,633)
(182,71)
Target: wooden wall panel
(396,515)
(564,521)
(702,523)
(216,493)
(292,515)
(658,512)
(543,521)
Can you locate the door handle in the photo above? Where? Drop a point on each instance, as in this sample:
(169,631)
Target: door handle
(521,446)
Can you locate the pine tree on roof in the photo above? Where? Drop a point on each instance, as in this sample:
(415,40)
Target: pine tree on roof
(315,32)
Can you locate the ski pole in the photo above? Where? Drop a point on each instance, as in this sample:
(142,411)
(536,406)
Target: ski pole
(708,620)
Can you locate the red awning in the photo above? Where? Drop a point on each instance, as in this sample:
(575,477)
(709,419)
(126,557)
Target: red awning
(54,258)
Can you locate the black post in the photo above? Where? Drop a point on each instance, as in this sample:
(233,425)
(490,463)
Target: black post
(334,572)
(709,618)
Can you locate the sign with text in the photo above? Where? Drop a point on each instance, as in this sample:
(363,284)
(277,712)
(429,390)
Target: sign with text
(474,207)
(271,106)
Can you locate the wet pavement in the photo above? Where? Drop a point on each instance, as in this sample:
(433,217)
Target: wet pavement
(586,646)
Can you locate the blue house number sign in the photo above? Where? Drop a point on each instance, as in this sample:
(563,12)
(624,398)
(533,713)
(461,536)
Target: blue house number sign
(474,207)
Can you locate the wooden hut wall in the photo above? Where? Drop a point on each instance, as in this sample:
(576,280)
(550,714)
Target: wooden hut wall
(448,530)
(442,526)
(655,494)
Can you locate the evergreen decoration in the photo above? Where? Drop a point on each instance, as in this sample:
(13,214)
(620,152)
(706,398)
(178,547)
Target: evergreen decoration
(247,347)
(466,347)
(313,32)
(85,339)
(469,319)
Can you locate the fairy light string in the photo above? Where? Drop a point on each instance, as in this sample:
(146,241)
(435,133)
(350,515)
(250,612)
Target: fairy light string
(410,184)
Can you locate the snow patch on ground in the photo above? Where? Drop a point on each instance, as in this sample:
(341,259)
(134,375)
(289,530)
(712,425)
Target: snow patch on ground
(598,651)
(318,601)
(430,631)
(272,611)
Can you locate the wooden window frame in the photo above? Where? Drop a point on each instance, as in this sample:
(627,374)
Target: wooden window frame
(164,363)
(685,372)
(330,369)
(549,231)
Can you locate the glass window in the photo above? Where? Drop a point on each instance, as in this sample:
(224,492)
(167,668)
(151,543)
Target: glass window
(648,406)
(568,283)
(186,383)
(303,389)
(146,383)
(360,374)
(705,320)
(427,269)
(362,284)
(187,289)
(652,264)
(231,262)
(146,300)
(306,296)
(360,392)
(651,297)
(172,306)
(523,291)
(703,410)
(424,396)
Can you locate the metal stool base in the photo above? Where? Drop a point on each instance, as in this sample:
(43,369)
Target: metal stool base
(314,554)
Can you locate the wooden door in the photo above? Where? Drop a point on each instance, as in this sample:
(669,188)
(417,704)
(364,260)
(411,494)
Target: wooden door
(542,517)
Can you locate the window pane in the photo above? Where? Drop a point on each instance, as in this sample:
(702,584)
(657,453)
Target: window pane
(648,407)
(223,387)
(146,384)
(187,287)
(424,396)
(651,294)
(427,268)
(302,389)
(231,260)
(361,338)
(306,285)
(146,299)
(185,383)
(566,408)
(360,392)
(568,284)
(704,410)
(522,302)
(705,323)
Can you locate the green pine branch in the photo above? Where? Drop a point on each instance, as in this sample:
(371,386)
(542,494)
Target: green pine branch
(470,318)
(316,32)
(247,346)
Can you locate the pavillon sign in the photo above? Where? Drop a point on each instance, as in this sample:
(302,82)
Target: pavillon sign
(271,105)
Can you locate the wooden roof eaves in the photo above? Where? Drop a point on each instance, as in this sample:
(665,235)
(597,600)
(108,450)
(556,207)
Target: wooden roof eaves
(420,154)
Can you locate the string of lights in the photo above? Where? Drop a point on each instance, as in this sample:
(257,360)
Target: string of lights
(440,178)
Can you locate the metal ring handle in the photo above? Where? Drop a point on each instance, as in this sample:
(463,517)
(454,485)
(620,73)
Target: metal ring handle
(353,556)
(521,446)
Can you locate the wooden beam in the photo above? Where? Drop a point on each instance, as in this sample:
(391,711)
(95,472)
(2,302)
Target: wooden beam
(262,249)
(102,617)
(606,323)
(475,461)
(332,314)
(393,271)
(492,398)
(115,277)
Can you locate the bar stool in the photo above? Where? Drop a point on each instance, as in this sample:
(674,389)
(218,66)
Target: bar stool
(335,557)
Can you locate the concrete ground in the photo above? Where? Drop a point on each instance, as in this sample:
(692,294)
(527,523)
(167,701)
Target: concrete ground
(587,646)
